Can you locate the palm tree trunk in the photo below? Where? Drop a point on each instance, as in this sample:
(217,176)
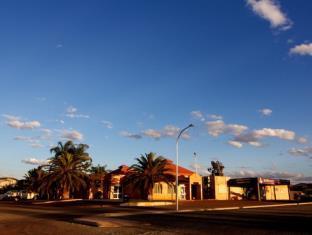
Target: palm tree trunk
(66,193)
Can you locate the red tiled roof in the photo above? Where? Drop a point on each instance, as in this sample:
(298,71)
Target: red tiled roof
(123,169)
(182,171)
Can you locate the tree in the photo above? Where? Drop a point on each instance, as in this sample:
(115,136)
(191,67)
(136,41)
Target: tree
(34,179)
(148,170)
(67,170)
(217,168)
(97,175)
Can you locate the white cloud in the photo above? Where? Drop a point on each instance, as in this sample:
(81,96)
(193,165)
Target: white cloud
(201,170)
(36,145)
(71,135)
(253,138)
(215,116)
(235,144)
(255,143)
(198,115)
(59,46)
(278,133)
(71,112)
(265,112)
(168,131)
(34,161)
(216,128)
(302,140)
(152,133)
(46,134)
(16,122)
(107,124)
(26,139)
(71,115)
(306,152)
(130,135)
(271,11)
(173,131)
(302,49)
(71,109)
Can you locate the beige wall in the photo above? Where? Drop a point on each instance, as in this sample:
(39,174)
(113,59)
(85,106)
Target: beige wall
(221,189)
(281,192)
(236,193)
(169,194)
(276,192)
(166,193)
(269,192)
(196,179)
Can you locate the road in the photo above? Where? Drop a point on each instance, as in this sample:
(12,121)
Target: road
(16,218)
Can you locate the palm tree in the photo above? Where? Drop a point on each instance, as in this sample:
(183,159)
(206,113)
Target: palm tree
(33,179)
(67,170)
(97,175)
(148,170)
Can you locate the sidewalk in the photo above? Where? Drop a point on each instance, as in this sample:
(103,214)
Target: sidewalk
(115,219)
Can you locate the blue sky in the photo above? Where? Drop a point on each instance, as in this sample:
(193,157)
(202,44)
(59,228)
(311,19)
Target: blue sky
(124,76)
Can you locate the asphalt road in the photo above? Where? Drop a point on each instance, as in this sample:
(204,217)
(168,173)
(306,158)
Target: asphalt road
(58,219)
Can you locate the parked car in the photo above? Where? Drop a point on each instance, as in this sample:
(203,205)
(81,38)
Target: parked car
(15,195)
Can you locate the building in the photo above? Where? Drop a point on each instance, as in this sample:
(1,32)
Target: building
(190,185)
(256,188)
(7,181)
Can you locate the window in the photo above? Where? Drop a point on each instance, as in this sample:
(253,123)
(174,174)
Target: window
(170,189)
(157,188)
(116,192)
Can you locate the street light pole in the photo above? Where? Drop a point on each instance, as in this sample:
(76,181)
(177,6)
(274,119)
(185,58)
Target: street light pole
(195,162)
(177,164)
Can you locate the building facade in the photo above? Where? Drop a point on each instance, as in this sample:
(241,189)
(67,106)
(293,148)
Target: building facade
(6,181)
(256,188)
(190,185)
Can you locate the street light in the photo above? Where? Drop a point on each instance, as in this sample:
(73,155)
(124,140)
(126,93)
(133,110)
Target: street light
(177,164)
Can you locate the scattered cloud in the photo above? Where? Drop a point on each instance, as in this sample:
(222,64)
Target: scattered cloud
(71,135)
(173,131)
(18,123)
(152,133)
(278,133)
(302,140)
(107,124)
(305,152)
(235,144)
(201,169)
(72,112)
(34,161)
(266,112)
(36,145)
(218,127)
(253,138)
(215,116)
(302,49)
(59,46)
(271,11)
(198,115)
(130,135)
(168,131)
(46,133)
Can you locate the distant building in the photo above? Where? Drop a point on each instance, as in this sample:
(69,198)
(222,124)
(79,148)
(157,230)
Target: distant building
(7,181)
(190,185)
(257,188)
